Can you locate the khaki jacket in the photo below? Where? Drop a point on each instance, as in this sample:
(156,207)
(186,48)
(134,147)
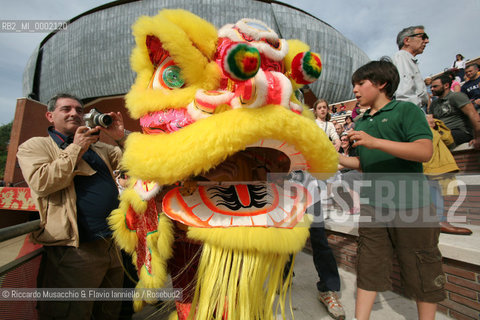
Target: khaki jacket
(49,172)
(442,166)
(442,160)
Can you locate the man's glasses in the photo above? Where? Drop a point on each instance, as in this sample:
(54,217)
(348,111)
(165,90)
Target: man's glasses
(344,140)
(422,34)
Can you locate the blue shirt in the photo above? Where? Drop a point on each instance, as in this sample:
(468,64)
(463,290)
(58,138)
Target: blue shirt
(97,195)
(472,89)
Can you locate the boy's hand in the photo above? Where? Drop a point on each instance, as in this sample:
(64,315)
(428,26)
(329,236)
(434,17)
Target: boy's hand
(475,143)
(430,120)
(360,138)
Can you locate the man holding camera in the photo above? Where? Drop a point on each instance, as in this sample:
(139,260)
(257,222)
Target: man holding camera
(70,175)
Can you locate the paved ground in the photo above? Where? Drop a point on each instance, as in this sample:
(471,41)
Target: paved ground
(389,305)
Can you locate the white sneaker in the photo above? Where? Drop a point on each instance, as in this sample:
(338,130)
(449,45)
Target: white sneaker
(334,308)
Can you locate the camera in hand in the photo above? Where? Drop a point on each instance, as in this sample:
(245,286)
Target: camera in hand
(96,118)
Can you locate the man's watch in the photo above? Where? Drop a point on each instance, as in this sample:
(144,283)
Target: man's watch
(125,135)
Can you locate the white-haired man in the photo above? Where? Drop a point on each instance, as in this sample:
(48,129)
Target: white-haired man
(411,42)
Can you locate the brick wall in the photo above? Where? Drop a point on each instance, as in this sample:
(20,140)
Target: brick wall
(469,207)
(463,279)
(463,290)
(469,163)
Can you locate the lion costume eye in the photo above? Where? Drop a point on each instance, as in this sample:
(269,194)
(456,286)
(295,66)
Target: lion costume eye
(167,76)
(172,77)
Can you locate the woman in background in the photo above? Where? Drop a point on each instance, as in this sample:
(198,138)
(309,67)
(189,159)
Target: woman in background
(349,175)
(459,64)
(455,87)
(322,118)
(349,124)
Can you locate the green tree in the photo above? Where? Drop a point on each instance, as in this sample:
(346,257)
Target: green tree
(4,141)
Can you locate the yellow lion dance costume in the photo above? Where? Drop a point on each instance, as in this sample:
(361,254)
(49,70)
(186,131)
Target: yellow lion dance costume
(219,114)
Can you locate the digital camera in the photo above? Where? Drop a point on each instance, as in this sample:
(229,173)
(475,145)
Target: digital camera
(96,118)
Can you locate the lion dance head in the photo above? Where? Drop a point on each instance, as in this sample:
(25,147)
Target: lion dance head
(220,118)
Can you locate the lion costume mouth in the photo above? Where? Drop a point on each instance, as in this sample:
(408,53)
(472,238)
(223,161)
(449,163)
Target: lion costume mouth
(247,189)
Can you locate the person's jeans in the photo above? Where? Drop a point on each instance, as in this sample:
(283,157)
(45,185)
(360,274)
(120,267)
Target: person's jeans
(323,257)
(460,136)
(437,199)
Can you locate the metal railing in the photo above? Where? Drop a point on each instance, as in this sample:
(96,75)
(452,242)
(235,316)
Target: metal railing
(20,273)
(13,232)
(18,230)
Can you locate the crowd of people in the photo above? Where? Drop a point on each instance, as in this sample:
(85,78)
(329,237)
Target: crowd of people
(460,81)
(71,176)
(450,115)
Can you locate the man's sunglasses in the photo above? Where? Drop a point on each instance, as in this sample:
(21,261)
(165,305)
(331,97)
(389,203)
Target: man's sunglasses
(422,34)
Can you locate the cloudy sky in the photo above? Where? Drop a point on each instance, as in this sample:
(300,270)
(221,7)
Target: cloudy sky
(371,24)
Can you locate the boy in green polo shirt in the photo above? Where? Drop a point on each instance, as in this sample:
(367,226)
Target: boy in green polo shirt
(393,139)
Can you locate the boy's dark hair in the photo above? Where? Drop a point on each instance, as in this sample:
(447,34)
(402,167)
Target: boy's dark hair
(379,72)
(444,79)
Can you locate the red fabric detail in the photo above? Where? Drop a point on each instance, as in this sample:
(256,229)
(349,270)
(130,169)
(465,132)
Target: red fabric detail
(130,219)
(297,71)
(183,309)
(243,194)
(205,104)
(156,53)
(222,46)
(245,90)
(165,121)
(143,224)
(268,64)
(16,199)
(274,95)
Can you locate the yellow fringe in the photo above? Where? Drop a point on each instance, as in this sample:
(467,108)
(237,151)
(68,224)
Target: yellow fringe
(124,237)
(173,316)
(267,240)
(241,271)
(234,284)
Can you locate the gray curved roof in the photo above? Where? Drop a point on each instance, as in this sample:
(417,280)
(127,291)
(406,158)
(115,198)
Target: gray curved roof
(91,57)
